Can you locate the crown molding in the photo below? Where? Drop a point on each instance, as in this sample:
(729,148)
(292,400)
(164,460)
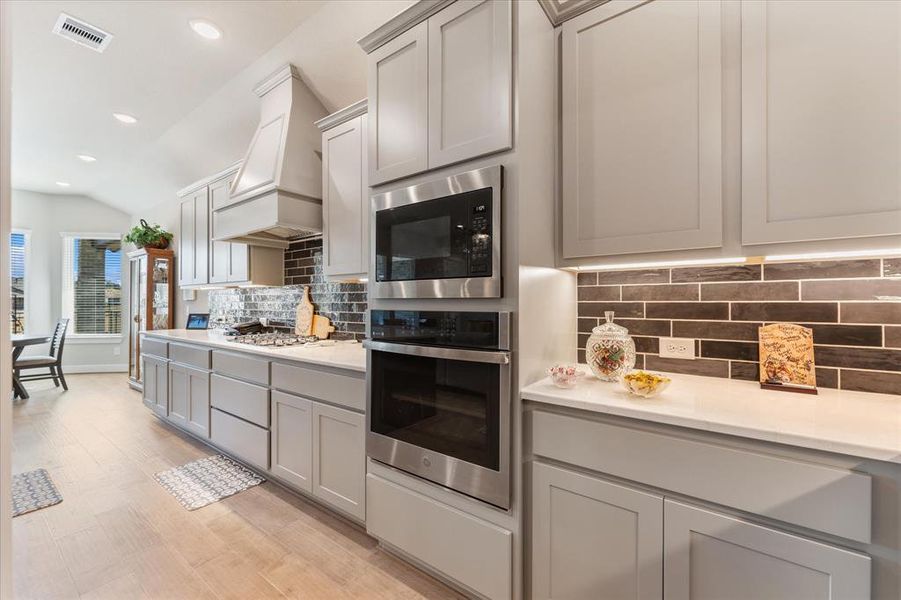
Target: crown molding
(343,115)
(558,11)
(401,22)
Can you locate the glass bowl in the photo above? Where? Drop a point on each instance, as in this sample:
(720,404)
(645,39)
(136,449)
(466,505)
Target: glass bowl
(645,383)
(565,376)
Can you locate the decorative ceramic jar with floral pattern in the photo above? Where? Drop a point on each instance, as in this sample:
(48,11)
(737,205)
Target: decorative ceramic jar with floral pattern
(610,351)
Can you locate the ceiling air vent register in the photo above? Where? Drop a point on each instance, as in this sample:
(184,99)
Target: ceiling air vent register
(82,33)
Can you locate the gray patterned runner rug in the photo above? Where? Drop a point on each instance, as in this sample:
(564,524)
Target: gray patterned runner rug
(33,490)
(207,480)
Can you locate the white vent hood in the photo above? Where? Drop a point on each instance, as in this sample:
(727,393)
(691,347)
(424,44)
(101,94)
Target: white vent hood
(277,193)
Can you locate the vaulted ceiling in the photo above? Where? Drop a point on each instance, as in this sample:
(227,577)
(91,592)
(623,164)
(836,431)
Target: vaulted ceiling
(193,97)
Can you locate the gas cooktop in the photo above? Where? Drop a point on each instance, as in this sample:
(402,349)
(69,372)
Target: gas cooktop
(277,339)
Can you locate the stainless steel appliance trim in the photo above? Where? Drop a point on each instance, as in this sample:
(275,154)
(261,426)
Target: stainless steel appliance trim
(497,357)
(464,287)
(464,477)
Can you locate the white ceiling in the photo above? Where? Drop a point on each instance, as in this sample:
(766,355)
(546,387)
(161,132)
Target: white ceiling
(193,96)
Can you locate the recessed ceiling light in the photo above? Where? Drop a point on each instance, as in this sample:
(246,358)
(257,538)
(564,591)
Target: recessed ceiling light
(86,157)
(125,118)
(205,29)
(62,183)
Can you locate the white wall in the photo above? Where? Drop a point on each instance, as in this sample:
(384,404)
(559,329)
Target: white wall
(45,216)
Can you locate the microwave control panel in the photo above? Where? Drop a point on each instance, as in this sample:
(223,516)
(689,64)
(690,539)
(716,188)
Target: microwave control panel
(480,250)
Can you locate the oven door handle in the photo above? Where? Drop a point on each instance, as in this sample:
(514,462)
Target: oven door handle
(499,357)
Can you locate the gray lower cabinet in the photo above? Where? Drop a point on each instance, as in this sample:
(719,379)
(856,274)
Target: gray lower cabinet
(710,556)
(593,538)
(245,440)
(339,458)
(156,385)
(292,440)
(189,398)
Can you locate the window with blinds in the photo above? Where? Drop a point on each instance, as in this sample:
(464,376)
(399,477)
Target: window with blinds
(92,284)
(17,245)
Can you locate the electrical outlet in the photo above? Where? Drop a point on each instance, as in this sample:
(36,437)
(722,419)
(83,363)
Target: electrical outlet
(677,348)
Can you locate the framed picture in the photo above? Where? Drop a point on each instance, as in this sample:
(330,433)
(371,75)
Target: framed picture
(198,321)
(786,357)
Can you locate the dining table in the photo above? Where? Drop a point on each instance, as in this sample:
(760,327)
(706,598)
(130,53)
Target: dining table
(19,343)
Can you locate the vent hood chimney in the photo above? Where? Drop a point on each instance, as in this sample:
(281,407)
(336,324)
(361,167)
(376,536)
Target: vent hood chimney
(277,193)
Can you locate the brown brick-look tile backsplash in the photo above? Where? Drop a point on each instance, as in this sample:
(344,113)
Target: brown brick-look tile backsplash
(343,303)
(853,307)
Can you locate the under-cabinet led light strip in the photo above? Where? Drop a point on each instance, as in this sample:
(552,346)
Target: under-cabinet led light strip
(738,260)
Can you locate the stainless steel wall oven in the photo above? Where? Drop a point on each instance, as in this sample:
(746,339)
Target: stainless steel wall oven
(438,400)
(440,239)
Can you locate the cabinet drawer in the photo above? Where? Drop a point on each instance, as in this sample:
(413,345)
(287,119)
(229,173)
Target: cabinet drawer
(241,366)
(820,497)
(418,525)
(247,442)
(154,347)
(245,400)
(194,356)
(320,385)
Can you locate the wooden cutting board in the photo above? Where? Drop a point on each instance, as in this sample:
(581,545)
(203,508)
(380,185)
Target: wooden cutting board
(322,327)
(303,319)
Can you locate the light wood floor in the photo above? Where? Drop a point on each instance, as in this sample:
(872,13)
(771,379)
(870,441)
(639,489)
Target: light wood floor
(118,534)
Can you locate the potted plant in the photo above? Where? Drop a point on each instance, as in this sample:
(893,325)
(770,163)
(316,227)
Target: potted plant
(147,236)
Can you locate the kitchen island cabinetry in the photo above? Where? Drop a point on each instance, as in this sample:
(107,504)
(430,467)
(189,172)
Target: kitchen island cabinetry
(287,412)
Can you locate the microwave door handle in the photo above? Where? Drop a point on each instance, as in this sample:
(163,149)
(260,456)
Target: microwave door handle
(479,356)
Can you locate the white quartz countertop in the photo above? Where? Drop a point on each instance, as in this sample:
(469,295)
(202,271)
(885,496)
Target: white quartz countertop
(342,355)
(853,423)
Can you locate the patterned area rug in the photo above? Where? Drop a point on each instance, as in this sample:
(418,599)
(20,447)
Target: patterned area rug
(33,490)
(207,480)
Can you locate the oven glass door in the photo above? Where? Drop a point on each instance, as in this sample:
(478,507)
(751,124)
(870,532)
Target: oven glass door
(448,406)
(429,240)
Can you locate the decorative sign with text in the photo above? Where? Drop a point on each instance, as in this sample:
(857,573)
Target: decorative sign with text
(786,356)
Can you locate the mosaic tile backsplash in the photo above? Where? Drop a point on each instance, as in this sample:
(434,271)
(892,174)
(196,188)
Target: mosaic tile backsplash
(853,307)
(343,303)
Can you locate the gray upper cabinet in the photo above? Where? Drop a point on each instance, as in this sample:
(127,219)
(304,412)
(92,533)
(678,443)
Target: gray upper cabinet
(642,153)
(398,106)
(203,260)
(470,81)
(820,90)
(228,261)
(193,245)
(345,198)
(710,556)
(594,539)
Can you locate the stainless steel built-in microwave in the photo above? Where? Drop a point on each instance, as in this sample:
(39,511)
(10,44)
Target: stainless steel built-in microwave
(439,239)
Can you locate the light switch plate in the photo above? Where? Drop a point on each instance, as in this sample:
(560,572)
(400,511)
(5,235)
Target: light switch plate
(677,348)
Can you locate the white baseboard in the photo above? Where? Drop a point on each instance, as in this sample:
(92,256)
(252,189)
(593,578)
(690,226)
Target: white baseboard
(95,369)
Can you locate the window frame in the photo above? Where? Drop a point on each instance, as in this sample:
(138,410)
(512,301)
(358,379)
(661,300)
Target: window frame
(67,309)
(26,289)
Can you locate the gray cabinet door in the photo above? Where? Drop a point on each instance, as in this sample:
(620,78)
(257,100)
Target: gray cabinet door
(398,106)
(220,252)
(186,271)
(198,385)
(156,385)
(470,81)
(345,207)
(179,395)
(642,149)
(238,263)
(339,458)
(594,539)
(291,456)
(710,556)
(816,163)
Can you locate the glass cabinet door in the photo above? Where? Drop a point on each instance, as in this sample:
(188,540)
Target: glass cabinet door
(161,283)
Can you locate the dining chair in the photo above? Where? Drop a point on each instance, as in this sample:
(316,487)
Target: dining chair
(53,361)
